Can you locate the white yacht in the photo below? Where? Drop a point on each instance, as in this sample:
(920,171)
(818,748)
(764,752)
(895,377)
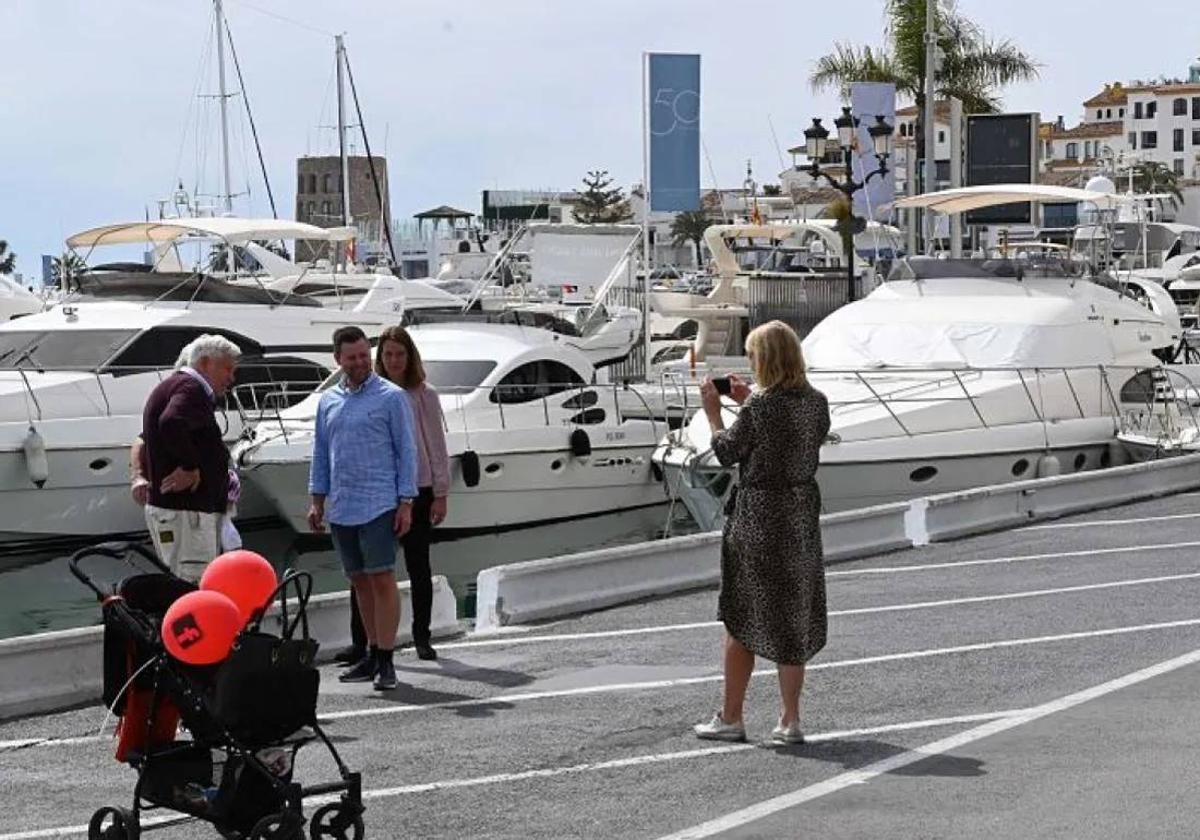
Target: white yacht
(16,300)
(531,438)
(74,379)
(961,373)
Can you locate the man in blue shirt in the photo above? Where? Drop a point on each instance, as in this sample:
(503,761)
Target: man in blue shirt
(364,479)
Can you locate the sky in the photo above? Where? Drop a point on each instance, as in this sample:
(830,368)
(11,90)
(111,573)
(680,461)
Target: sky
(99,117)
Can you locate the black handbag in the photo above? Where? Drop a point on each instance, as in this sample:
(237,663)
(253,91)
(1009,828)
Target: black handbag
(267,687)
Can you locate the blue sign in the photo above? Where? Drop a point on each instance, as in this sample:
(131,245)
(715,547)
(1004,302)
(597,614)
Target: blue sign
(674,107)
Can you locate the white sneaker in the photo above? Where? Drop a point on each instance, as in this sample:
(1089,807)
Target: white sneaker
(789,734)
(718,730)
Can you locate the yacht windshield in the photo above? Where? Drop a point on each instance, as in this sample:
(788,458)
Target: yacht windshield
(925,268)
(60,349)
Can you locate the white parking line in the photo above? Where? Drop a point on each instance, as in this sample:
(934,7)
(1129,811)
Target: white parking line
(505,699)
(768,807)
(649,685)
(575,769)
(1135,520)
(1018,558)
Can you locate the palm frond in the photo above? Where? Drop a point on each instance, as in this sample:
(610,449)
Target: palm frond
(847,64)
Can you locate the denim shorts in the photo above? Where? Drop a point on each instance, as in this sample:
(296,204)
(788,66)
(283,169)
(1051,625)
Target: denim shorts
(366,549)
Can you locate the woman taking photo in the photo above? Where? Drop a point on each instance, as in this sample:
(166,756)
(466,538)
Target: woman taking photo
(398,360)
(772,598)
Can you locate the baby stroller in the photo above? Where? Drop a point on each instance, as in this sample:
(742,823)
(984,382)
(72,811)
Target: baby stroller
(247,716)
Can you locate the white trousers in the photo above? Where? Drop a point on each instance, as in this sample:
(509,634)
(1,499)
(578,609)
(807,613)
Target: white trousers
(186,540)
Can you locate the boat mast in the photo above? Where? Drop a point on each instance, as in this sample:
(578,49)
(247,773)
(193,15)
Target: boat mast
(341,110)
(227,197)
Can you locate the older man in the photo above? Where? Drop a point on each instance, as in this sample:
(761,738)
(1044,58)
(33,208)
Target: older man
(364,466)
(186,460)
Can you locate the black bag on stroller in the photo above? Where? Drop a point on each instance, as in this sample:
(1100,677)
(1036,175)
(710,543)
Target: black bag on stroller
(247,716)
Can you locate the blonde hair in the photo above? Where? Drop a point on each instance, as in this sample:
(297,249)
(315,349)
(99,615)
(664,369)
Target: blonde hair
(775,356)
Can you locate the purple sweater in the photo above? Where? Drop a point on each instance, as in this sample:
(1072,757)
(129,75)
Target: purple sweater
(180,430)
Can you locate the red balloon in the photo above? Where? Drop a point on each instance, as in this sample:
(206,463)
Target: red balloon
(245,577)
(200,627)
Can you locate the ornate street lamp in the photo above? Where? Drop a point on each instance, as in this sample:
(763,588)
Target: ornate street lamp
(816,138)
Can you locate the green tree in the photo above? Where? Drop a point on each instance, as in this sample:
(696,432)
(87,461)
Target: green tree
(974,67)
(8,260)
(66,269)
(689,227)
(600,201)
(1154,177)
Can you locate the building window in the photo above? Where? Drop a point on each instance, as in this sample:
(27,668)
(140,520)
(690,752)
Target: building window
(941,137)
(1179,107)
(1196,107)
(312,209)
(1151,110)
(1073,151)
(299,183)
(1178,167)
(1149,139)
(312,182)
(1099,114)
(1177,140)
(300,217)
(1087,149)
(1196,136)
(1137,110)
(1108,113)
(1121,113)
(326,183)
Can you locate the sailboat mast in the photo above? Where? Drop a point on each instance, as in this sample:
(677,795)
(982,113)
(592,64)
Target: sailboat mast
(930,114)
(227,196)
(341,109)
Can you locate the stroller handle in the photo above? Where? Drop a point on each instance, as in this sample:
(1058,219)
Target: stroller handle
(110,551)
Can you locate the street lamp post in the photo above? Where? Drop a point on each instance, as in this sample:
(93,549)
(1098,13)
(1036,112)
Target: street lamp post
(816,140)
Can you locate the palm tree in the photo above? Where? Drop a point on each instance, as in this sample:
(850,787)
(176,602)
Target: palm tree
(66,269)
(8,260)
(1154,177)
(973,69)
(689,227)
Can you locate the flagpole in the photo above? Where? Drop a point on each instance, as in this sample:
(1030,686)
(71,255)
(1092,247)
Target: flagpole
(646,214)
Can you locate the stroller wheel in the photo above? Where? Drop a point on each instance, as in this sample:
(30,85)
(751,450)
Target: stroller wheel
(110,823)
(285,826)
(336,821)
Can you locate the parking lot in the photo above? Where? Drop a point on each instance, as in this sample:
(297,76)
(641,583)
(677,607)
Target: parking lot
(1043,682)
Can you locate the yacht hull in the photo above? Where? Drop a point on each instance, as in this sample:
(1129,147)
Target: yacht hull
(516,489)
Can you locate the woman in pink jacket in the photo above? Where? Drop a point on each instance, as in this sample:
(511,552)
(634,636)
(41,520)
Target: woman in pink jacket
(398,360)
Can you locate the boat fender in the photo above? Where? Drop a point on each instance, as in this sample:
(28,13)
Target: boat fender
(36,463)
(469,460)
(581,444)
(1048,465)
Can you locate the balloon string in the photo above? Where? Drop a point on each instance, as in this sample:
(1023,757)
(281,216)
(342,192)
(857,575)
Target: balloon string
(112,708)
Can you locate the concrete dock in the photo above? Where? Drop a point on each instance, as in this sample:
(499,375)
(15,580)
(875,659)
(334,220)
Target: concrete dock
(1041,682)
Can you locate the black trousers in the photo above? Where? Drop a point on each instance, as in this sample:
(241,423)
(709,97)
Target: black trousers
(416,562)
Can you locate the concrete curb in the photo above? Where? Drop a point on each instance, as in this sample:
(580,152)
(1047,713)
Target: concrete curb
(519,593)
(51,671)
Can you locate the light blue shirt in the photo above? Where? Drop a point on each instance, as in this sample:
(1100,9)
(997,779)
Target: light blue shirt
(364,454)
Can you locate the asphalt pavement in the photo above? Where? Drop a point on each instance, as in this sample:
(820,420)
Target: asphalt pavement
(1042,682)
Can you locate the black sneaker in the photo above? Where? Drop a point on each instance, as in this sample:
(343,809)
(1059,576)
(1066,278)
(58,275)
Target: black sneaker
(349,655)
(426,652)
(385,677)
(362,672)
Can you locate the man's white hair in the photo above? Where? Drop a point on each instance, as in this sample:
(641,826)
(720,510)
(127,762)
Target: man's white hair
(207,347)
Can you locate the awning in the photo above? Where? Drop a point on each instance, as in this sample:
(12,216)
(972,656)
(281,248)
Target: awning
(973,198)
(232,230)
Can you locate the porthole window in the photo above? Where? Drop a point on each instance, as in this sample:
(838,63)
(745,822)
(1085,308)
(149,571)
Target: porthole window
(1020,468)
(1080,461)
(99,465)
(923,474)
(494,468)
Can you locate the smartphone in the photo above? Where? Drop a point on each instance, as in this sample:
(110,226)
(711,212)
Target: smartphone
(723,385)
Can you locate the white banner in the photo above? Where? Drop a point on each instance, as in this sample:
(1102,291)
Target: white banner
(869,100)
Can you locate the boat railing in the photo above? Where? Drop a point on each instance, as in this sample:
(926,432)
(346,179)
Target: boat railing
(1132,396)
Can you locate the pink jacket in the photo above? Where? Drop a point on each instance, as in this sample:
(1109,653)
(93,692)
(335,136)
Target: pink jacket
(430,434)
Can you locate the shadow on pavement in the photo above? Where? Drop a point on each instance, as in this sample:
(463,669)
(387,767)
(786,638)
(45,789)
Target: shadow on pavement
(854,754)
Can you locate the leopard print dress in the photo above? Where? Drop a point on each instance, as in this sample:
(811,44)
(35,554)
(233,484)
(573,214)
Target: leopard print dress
(772,596)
